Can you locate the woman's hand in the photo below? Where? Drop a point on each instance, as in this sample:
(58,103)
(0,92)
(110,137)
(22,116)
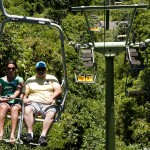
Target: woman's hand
(4,99)
(12,97)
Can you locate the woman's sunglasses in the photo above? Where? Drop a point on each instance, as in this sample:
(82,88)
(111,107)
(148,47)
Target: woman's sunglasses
(10,68)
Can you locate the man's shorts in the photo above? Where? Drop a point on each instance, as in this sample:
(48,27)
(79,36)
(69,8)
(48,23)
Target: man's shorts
(42,109)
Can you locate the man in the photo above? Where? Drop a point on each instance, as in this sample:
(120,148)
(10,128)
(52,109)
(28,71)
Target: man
(40,92)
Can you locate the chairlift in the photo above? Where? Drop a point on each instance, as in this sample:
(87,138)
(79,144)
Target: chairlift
(86,66)
(136,63)
(123,26)
(135,55)
(48,22)
(118,3)
(95,28)
(95,23)
(132,90)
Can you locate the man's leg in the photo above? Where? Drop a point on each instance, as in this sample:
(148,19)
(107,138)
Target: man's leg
(48,122)
(4,108)
(29,118)
(14,120)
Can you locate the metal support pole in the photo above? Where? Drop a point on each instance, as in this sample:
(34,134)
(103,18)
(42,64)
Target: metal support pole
(107,16)
(110,127)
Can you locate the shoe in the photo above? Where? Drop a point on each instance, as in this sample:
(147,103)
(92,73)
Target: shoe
(42,141)
(28,138)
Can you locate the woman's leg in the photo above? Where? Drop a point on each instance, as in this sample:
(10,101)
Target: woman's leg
(4,108)
(14,119)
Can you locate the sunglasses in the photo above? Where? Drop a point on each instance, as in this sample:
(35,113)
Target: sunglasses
(40,69)
(10,68)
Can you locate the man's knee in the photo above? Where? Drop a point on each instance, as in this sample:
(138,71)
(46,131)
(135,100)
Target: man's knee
(50,114)
(28,110)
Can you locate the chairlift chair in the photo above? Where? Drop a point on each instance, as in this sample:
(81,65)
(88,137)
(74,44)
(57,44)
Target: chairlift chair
(48,22)
(86,66)
(136,57)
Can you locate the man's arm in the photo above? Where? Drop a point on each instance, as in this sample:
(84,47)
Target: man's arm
(57,92)
(25,92)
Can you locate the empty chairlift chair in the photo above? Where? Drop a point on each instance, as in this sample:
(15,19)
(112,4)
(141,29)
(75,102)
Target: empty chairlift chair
(86,73)
(133,56)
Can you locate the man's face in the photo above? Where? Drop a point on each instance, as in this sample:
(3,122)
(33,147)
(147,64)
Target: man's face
(41,71)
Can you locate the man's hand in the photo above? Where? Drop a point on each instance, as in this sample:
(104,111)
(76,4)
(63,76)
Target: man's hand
(26,100)
(50,100)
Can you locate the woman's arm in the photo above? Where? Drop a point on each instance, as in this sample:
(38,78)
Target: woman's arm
(18,90)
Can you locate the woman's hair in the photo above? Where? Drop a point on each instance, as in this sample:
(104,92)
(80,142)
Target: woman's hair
(12,62)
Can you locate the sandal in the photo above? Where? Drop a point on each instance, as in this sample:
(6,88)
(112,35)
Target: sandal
(12,140)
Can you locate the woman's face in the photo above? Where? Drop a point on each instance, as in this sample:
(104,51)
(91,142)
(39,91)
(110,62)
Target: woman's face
(11,69)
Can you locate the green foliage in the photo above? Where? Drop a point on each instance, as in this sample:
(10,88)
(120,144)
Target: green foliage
(82,125)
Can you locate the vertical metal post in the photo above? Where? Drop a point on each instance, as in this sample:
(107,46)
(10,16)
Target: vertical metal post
(110,127)
(107,16)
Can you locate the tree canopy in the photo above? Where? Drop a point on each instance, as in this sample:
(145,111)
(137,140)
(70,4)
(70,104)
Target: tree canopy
(82,124)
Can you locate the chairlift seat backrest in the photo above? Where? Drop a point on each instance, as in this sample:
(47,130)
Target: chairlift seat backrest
(134,54)
(132,50)
(87,59)
(87,55)
(135,62)
(88,64)
(81,78)
(85,51)
(89,78)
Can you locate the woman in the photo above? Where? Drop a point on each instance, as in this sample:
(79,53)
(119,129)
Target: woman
(10,86)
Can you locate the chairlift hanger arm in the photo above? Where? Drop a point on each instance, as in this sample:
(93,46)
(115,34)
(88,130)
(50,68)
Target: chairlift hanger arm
(23,18)
(130,26)
(86,18)
(108,7)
